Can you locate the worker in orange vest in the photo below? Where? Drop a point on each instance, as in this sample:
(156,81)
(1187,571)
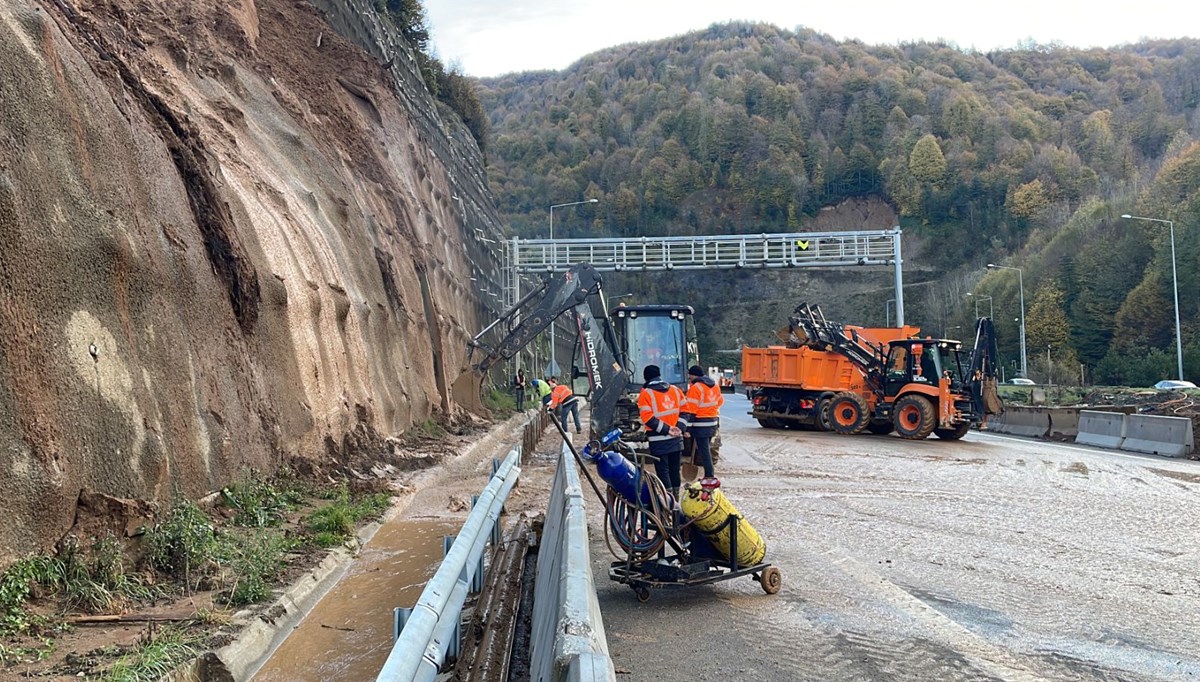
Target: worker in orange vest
(563,399)
(658,406)
(700,417)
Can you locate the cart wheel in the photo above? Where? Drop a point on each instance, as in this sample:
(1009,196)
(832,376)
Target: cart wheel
(643,594)
(771,580)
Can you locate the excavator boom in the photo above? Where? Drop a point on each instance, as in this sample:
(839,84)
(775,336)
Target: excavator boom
(561,293)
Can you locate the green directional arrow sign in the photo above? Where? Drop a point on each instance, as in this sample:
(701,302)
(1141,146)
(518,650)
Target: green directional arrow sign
(802,244)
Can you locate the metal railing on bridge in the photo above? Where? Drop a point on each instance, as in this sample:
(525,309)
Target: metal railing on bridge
(779,250)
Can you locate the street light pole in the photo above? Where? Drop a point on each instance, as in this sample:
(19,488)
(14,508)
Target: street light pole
(554,251)
(1021,283)
(1175,286)
(991,311)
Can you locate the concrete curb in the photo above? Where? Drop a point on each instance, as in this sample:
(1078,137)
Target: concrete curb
(260,635)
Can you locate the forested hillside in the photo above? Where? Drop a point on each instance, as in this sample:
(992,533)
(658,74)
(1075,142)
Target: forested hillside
(1025,157)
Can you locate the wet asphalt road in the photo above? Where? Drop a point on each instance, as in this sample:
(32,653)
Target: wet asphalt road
(993,558)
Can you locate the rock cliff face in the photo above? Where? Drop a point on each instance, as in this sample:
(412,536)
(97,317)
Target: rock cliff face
(228,236)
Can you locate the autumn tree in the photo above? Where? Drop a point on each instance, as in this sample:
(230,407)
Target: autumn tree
(926,162)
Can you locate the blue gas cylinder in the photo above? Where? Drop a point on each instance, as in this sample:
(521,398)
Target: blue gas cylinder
(621,475)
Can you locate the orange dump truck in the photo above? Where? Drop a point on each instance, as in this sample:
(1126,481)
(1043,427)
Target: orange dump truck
(793,387)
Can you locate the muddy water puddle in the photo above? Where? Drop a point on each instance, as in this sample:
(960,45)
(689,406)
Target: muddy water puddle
(349,634)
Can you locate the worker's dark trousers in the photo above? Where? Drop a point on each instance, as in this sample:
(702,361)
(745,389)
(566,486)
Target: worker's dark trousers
(667,466)
(703,436)
(571,408)
(520,400)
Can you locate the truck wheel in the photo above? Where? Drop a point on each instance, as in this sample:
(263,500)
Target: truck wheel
(768,423)
(914,417)
(848,413)
(953,434)
(881,428)
(822,423)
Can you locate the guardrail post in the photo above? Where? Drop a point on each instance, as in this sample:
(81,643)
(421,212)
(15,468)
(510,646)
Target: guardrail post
(400,616)
(447,543)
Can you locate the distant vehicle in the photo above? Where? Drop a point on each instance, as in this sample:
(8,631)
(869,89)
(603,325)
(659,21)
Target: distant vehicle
(1174,383)
(1022,381)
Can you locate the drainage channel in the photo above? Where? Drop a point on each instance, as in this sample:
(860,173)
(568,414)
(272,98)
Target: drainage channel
(348,635)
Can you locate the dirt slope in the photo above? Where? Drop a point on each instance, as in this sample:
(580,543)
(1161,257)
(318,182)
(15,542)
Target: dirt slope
(224,242)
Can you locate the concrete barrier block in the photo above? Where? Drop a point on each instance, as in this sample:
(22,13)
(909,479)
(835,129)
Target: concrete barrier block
(1155,435)
(1064,423)
(1033,422)
(1102,429)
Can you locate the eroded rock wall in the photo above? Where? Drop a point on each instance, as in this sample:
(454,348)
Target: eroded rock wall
(225,241)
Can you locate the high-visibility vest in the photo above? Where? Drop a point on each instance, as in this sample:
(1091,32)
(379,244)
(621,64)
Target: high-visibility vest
(542,388)
(561,395)
(704,402)
(664,405)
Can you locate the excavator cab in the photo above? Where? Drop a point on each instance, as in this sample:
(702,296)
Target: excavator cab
(663,335)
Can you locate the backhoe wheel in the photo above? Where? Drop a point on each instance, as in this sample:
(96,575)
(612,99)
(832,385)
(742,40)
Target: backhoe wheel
(848,413)
(823,423)
(914,417)
(953,434)
(771,580)
(881,428)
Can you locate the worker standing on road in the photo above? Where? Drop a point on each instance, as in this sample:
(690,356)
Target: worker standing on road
(563,399)
(658,406)
(701,415)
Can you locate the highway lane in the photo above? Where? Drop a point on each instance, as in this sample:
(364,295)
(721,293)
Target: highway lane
(992,558)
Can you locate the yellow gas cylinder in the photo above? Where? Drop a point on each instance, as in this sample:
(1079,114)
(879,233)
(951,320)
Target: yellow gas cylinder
(707,509)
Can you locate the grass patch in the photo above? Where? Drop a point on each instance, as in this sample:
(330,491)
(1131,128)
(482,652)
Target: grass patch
(500,402)
(255,561)
(334,523)
(184,544)
(258,503)
(154,659)
(94,581)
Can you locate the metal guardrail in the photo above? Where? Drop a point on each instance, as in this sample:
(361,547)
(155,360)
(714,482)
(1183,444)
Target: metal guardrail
(568,642)
(428,631)
(778,250)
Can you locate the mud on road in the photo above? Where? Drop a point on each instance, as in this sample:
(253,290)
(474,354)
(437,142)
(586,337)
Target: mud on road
(990,558)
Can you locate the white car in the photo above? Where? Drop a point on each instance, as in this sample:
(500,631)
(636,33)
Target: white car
(1022,381)
(1167,384)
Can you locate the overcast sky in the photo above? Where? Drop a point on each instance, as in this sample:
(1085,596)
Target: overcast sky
(491,37)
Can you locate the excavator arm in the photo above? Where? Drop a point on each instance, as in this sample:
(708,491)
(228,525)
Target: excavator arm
(562,293)
(984,362)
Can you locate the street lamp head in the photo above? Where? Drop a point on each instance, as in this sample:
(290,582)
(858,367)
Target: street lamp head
(991,266)
(592,201)
(1126,215)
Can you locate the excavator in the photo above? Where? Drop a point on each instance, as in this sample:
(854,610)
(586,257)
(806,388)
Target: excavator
(612,349)
(849,379)
(697,539)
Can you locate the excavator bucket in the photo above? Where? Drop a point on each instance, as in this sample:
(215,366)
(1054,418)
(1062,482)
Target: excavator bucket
(467,391)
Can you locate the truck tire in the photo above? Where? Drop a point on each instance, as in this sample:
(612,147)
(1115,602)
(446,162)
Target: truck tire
(953,434)
(881,428)
(914,417)
(822,422)
(848,413)
(769,423)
